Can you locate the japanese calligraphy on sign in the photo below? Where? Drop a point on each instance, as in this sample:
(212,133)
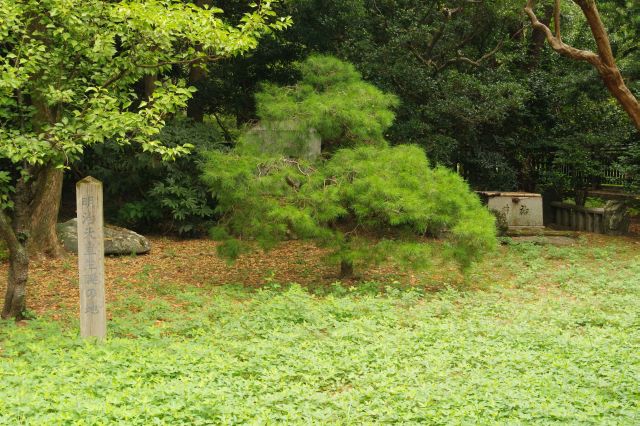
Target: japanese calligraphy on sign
(91,258)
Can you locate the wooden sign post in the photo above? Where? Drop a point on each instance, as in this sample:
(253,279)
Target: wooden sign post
(93,314)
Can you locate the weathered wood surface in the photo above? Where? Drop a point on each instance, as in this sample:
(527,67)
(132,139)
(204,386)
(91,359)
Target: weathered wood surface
(93,314)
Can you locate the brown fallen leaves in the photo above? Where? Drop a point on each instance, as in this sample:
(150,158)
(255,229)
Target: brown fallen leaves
(53,283)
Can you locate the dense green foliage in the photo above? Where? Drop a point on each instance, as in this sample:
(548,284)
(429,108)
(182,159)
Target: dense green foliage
(68,70)
(332,99)
(390,194)
(145,193)
(476,87)
(555,344)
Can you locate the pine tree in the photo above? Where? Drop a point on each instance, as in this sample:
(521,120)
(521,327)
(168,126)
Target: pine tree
(366,202)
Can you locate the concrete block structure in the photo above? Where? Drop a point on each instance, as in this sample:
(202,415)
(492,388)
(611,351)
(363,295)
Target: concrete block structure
(518,209)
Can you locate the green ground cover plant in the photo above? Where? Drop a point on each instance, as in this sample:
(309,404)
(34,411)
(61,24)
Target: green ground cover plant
(536,335)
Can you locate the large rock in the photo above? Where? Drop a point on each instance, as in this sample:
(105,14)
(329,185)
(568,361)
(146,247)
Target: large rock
(616,217)
(287,137)
(116,240)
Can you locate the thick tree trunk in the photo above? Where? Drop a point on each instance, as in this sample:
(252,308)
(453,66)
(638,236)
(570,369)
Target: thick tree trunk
(40,215)
(15,296)
(32,233)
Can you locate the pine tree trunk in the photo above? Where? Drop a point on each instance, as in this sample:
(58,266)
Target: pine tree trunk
(346,269)
(15,296)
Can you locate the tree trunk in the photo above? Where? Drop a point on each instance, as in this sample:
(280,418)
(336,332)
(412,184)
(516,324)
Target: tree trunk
(32,233)
(15,296)
(197,74)
(40,214)
(346,269)
(195,106)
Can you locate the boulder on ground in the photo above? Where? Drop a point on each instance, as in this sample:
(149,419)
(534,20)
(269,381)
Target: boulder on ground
(616,217)
(117,241)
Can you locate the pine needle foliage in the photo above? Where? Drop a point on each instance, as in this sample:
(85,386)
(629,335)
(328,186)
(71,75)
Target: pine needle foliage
(331,98)
(367,204)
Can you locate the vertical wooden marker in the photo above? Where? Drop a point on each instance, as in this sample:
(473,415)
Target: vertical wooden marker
(93,314)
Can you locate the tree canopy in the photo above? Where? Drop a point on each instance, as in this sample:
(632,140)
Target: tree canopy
(69,70)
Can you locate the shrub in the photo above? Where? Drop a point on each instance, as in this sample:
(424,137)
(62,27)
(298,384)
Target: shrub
(148,194)
(367,204)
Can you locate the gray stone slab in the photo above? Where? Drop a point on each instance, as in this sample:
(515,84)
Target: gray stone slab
(117,241)
(543,241)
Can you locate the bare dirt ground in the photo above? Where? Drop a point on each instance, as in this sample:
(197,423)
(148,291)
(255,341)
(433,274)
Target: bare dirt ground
(53,283)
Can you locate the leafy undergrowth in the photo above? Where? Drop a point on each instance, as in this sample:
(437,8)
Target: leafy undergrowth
(535,335)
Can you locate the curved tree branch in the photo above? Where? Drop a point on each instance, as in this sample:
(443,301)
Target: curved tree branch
(603,61)
(556,42)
